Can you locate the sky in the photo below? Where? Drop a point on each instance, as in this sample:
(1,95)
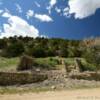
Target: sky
(69,19)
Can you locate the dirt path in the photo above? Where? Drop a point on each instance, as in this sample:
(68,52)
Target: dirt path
(85,94)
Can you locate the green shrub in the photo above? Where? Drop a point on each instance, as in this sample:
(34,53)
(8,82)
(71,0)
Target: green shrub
(85,66)
(92,55)
(89,67)
(13,50)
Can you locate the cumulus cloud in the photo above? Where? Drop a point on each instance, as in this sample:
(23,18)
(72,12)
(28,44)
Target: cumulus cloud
(6,15)
(51,4)
(19,9)
(58,10)
(66,12)
(29,14)
(43,17)
(83,8)
(17,26)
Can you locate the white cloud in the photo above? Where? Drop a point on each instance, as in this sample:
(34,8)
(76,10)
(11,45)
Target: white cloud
(43,36)
(58,10)
(43,18)
(37,4)
(17,26)
(66,12)
(51,4)
(19,9)
(6,15)
(83,8)
(1,11)
(29,14)
(6,10)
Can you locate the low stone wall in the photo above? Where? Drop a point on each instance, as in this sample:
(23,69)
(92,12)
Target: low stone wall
(14,78)
(86,76)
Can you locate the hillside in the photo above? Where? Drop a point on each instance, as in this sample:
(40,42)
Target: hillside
(91,42)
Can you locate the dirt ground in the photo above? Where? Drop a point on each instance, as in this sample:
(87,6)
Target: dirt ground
(84,94)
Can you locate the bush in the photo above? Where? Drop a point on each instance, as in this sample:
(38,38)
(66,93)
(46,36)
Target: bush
(92,55)
(88,67)
(3,43)
(13,50)
(26,63)
(85,66)
(36,52)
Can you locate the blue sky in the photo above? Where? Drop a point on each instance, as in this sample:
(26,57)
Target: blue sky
(71,19)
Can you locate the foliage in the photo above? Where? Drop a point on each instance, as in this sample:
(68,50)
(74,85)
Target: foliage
(3,43)
(53,47)
(13,50)
(87,66)
(39,47)
(92,55)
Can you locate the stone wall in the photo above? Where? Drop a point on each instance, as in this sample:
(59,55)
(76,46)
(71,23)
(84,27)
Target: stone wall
(14,78)
(86,76)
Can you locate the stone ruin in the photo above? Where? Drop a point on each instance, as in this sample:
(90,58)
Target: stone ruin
(73,69)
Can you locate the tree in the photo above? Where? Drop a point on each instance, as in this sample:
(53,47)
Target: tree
(63,52)
(93,56)
(50,52)
(3,43)
(36,51)
(40,47)
(71,51)
(13,50)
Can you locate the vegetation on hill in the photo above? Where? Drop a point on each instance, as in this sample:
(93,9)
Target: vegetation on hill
(39,47)
(45,51)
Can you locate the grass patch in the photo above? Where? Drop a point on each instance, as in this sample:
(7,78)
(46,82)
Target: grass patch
(45,63)
(69,61)
(12,63)
(8,63)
